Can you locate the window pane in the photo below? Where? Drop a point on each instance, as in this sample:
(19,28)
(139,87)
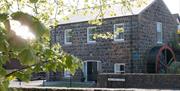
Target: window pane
(159,27)
(70,33)
(119,31)
(68,36)
(159,37)
(122,68)
(91,32)
(120,36)
(159,32)
(119,67)
(91,38)
(67,39)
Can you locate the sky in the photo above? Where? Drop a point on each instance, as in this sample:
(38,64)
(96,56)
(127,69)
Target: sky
(173,5)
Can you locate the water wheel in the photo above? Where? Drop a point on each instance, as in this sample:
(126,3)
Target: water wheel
(159,59)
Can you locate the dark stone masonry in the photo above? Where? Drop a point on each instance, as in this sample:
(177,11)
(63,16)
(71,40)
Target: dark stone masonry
(140,36)
(148,81)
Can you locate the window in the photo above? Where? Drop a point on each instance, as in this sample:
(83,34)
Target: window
(67,74)
(119,32)
(159,32)
(90,34)
(119,68)
(68,36)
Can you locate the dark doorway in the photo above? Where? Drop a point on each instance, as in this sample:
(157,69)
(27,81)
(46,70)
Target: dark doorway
(92,71)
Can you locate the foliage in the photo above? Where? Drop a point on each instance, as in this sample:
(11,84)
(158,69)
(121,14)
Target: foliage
(174,68)
(34,55)
(174,43)
(53,10)
(36,15)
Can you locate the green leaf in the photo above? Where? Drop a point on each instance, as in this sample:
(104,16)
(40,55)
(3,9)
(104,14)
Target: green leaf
(33,1)
(48,53)
(27,57)
(23,76)
(4,17)
(37,68)
(4,85)
(33,23)
(40,29)
(2,71)
(51,67)
(85,0)
(17,15)
(16,42)
(68,61)
(2,59)
(3,40)
(3,45)
(60,66)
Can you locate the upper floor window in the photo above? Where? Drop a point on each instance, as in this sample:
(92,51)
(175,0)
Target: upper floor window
(159,32)
(90,34)
(68,36)
(119,32)
(119,68)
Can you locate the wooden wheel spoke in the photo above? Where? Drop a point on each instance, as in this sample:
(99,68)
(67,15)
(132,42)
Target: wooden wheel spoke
(163,64)
(165,55)
(171,60)
(164,59)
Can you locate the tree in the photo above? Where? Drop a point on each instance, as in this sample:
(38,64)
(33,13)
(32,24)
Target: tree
(35,16)
(34,54)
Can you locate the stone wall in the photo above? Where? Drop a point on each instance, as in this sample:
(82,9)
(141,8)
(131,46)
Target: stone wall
(140,37)
(107,51)
(160,81)
(157,12)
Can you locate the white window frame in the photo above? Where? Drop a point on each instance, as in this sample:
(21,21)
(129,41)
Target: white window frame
(119,64)
(65,37)
(114,30)
(88,39)
(159,30)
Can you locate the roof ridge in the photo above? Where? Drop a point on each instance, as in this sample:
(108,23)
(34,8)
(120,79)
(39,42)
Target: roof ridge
(119,12)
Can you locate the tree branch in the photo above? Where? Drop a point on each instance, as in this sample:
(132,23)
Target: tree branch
(13,72)
(17,4)
(35,7)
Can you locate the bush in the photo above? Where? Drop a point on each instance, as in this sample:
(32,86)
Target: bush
(174,68)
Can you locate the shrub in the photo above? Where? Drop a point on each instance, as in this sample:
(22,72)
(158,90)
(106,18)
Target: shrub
(174,68)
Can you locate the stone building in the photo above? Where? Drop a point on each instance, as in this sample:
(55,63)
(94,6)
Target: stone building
(144,28)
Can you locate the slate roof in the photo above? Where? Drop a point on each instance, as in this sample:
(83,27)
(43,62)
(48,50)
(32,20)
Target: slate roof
(80,17)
